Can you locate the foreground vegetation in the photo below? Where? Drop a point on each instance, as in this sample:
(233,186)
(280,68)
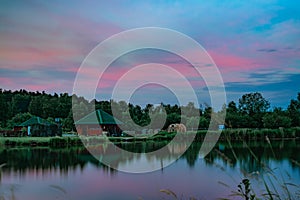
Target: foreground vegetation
(273,184)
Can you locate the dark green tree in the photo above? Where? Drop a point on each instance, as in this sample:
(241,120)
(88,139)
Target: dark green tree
(172,118)
(189,110)
(275,120)
(20,103)
(18,119)
(193,123)
(255,106)
(232,115)
(203,123)
(49,108)
(64,105)
(208,112)
(68,122)
(232,108)
(3,110)
(294,111)
(253,103)
(36,106)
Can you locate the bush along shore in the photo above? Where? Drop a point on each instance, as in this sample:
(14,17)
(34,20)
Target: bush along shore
(228,134)
(40,141)
(255,134)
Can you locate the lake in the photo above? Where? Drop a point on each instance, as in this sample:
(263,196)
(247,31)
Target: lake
(72,173)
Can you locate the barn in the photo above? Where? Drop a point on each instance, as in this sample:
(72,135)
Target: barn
(97,123)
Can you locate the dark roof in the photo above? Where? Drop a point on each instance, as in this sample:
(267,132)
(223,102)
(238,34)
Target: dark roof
(36,120)
(101,118)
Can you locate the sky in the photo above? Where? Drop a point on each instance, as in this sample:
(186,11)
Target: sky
(254,44)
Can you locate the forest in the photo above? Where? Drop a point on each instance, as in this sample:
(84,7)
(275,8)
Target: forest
(252,110)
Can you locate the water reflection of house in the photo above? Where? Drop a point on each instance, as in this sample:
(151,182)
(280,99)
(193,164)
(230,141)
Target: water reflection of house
(98,123)
(36,126)
(177,148)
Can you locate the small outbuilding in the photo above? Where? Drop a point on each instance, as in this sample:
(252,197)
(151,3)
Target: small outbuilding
(97,123)
(36,126)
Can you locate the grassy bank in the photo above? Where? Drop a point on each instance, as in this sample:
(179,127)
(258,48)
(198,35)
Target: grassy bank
(24,141)
(255,134)
(40,141)
(228,134)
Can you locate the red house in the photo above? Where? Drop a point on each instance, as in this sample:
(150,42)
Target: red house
(98,123)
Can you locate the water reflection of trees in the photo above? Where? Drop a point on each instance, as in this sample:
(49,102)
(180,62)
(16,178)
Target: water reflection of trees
(22,159)
(250,156)
(255,156)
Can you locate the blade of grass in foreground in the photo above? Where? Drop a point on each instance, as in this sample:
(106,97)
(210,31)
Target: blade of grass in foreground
(268,190)
(284,185)
(273,186)
(58,188)
(168,192)
(231,148)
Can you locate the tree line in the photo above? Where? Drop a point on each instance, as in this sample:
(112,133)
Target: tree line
(251,111)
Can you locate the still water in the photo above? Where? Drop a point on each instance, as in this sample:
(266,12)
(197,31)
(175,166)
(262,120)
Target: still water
(72,173)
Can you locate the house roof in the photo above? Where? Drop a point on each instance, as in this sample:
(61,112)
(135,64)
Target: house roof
(102,117)
(35,120)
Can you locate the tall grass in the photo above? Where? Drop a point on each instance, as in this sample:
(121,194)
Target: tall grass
(274,186)
(273,183)
(12,194)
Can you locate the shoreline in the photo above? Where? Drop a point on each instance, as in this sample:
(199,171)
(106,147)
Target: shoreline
(226,135)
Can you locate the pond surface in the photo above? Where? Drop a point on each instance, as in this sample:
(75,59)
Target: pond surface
(72,173)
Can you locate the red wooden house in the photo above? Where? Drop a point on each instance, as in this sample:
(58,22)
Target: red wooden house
(98,123)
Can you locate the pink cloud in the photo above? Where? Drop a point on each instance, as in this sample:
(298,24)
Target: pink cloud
(36,84)
(27,58)
(62,41)
(227,61)
(6,81)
